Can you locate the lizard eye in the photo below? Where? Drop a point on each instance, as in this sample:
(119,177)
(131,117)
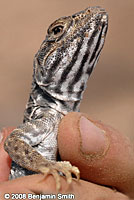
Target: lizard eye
(57,30)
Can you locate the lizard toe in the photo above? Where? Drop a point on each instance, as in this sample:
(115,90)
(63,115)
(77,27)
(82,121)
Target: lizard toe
(59,168)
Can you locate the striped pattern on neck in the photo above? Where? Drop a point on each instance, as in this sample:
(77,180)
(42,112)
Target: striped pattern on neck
(69,53)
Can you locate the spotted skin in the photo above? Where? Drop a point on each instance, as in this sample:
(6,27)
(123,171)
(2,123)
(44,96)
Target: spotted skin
(62,67)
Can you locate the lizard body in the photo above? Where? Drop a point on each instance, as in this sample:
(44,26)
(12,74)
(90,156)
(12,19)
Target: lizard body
(62,66)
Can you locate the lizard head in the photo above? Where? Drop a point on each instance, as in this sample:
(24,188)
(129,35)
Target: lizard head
(69,53)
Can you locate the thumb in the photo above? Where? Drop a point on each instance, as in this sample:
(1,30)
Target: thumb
(103,155)
(5,161)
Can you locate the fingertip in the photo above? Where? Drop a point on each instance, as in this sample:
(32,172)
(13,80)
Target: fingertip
(5,160)
(6,131)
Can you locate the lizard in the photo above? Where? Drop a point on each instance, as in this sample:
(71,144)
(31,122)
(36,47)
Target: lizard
(61,70)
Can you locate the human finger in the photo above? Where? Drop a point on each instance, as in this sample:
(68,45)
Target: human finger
(5,160)
(35,185)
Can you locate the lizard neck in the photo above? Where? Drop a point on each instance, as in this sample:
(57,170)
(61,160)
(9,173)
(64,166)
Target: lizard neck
(40,101)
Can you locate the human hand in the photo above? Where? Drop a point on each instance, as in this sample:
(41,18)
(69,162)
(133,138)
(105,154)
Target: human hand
(108,161)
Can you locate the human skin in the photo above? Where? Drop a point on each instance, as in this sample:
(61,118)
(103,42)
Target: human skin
(104,156)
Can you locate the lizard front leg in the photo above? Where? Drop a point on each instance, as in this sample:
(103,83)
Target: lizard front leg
(23,150)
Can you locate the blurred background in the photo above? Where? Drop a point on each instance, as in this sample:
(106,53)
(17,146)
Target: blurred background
(109,96)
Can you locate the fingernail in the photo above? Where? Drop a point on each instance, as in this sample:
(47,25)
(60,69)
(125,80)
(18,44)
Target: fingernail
(1,136)
(93,139)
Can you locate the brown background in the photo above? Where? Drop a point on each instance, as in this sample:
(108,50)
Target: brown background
(110,93)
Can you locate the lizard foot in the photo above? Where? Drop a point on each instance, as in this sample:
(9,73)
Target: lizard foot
(64,167)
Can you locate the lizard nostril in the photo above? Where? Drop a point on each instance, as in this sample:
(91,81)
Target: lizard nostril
(88,11)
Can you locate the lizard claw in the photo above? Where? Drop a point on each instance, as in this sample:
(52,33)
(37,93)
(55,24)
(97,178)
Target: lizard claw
(65,168)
